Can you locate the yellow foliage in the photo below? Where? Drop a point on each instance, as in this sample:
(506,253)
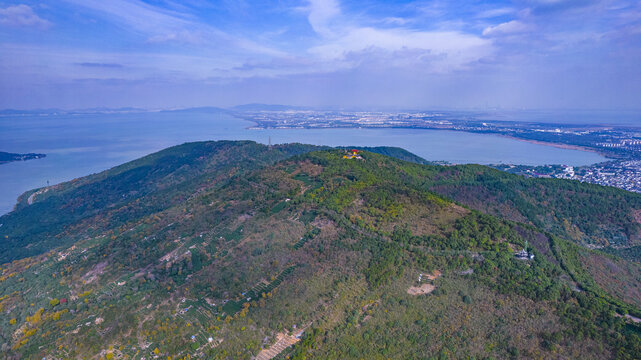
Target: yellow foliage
(35,318)
(13,321)
(21,343)
(109,356)
(156,351)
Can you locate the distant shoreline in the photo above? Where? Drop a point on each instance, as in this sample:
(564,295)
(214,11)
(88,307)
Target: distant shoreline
(559,145)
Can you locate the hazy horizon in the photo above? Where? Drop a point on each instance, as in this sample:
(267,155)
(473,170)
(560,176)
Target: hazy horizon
(561,117)
(535,54)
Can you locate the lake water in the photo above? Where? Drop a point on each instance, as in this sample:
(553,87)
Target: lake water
(83,144)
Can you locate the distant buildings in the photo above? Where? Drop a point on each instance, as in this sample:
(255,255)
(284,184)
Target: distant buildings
(617,173)
(568,172)
(623,143)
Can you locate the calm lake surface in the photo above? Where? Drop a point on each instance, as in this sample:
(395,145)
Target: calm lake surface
(79,145)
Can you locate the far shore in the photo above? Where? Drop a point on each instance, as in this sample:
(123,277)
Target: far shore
(559,145)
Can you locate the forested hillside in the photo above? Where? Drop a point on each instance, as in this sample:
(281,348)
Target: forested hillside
(585,213)
(62,214)
(233,250)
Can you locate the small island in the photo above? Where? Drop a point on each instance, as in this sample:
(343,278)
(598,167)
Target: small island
(6,157)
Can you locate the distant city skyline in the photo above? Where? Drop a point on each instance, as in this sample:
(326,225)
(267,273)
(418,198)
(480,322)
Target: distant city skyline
(365,53)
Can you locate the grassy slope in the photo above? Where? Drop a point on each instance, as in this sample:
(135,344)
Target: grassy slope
(369,227)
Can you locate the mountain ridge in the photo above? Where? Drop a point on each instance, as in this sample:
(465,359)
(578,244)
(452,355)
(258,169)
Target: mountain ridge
(243,244)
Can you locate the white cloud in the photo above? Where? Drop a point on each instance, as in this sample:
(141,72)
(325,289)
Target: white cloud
(136,15)
(395,20)
(452,49)
(342,41)
(547,2)
(486,14)
(160,25)
(63,64)
(510,27)
(22,15)
(321,12)
(178,36)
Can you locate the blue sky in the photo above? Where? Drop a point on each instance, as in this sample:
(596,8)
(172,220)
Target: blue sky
(363,53)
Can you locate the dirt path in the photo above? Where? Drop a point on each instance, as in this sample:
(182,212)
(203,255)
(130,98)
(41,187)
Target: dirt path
(421,290)
(283,341)
(32,197)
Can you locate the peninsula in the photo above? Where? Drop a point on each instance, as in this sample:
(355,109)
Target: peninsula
(6,157)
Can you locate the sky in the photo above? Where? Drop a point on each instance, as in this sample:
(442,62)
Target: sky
(535,54)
